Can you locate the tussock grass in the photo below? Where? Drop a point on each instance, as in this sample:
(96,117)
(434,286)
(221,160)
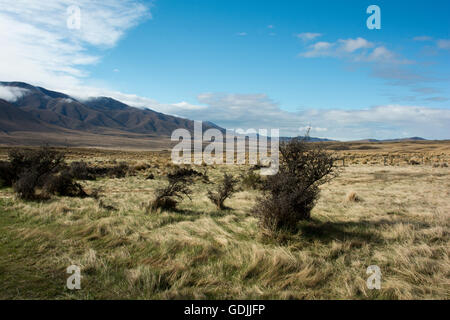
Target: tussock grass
(199,251)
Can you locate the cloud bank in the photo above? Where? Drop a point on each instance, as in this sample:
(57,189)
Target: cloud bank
(11,94)
(257,111)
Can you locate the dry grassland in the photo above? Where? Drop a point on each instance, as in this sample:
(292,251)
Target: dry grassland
(394,216)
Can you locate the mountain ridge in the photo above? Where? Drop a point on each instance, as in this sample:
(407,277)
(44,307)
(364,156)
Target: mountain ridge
(41,110)
(97,115)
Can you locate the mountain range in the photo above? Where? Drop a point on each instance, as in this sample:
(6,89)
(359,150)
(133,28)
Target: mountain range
(35,115)
(42,109)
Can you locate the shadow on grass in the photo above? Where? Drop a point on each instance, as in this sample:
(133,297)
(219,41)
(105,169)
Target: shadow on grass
(326,232)
(362,231)
(193,213)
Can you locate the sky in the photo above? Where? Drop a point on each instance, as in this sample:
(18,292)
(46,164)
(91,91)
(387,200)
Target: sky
(244,63)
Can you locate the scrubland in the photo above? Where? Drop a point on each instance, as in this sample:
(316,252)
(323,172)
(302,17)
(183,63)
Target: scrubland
(393,215)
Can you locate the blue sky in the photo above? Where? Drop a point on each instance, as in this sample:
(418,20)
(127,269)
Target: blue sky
(191,47)
(242,64)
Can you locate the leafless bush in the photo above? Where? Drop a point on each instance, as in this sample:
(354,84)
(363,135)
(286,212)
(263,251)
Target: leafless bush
(179,187)
(290,195)
(224,190)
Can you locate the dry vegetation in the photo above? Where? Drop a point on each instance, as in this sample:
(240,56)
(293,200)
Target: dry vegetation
(394,216)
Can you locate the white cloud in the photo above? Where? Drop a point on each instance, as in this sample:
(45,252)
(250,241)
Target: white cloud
(39,48)
(381,54)
(11,94)
(358,50)
(443,44)
(187,106)
(351,45)
(382,62)
(242,34)
(318,49)
(307,36)
(258,111)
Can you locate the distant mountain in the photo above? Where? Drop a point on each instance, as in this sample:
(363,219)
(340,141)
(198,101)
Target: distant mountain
(40,110)
(310,139)
(395,140)
(55,116)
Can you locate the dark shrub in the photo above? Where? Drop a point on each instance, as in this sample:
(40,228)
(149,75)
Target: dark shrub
(25,186)
(42,161)
(290,195)
(6,174)
(39,173)
(31,168)
(119,171)
(63,184)
(83,171)
(224,190)
(190,173)
(183,173)
(179,186)
(80,170)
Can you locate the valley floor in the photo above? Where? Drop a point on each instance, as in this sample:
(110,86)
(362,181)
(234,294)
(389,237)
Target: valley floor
(399,222)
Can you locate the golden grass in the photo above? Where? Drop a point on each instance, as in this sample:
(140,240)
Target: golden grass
(402,225)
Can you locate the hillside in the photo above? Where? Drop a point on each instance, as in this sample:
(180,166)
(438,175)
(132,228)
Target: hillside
(43,111)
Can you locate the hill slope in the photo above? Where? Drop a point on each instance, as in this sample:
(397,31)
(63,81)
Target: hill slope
(40,110)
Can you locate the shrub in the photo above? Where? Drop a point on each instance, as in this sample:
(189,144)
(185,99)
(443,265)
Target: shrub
(63,185)
(290,195)
(119,171)
(224,190)
(6,174)
(31,168)
(80,170)
(179,186)
(39,173)
(251,180)
(42,161)
(184,173)
(141,166)
(25,186)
